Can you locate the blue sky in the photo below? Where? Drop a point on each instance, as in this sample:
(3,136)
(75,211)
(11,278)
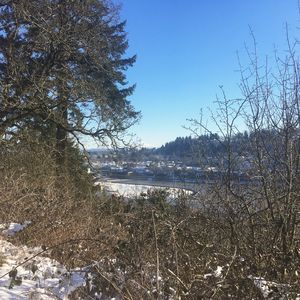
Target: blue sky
(187,48)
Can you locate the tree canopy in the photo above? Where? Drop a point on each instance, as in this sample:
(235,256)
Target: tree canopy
(62,68)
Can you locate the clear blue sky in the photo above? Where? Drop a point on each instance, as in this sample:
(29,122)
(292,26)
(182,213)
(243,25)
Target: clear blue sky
(187,48)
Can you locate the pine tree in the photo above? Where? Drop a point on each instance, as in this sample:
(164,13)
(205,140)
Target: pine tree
(62,65)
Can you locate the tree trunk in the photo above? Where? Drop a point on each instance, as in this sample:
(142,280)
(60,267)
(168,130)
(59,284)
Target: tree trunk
(62,124)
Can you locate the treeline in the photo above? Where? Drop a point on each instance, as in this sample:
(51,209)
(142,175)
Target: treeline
(192,150)
(197,150)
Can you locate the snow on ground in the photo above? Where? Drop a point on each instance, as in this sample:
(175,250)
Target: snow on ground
(273,290)
(262,285)
(13,228)
(216,273)
(134,190)
(36,278)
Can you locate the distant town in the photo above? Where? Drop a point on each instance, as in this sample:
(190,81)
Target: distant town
(153,165)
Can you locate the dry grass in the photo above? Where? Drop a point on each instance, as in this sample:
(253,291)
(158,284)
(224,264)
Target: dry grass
(189,244)
(145,249)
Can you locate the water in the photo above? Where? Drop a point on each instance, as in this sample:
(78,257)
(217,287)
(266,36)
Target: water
(132,188)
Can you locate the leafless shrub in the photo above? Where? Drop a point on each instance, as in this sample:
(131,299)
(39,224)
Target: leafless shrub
(261,215)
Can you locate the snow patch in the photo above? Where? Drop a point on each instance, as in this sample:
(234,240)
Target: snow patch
(39,278)
(273,290)
(218,272)
(262,285)
(13,228)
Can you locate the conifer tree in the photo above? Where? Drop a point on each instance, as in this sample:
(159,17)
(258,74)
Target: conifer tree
(62,66)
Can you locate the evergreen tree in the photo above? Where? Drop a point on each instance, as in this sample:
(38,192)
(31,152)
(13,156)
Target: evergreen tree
(62,66)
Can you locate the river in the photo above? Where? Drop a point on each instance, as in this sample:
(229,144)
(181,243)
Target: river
(134,187)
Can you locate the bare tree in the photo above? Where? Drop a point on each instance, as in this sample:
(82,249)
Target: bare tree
(266,207)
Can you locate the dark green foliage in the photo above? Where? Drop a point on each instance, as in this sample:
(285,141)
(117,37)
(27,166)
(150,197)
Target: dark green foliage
(62,69)
(193,150)
(189,150)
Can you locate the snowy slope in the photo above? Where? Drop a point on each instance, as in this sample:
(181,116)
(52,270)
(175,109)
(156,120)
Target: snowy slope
(36,278)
